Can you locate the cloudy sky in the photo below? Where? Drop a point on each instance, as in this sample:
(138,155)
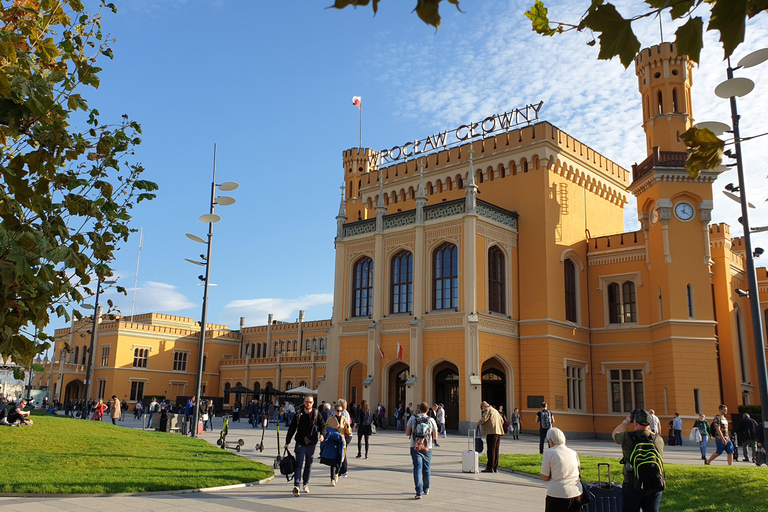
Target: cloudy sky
(271,84)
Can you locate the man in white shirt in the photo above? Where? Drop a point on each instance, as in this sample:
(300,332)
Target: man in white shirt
(655,422)
(441,419)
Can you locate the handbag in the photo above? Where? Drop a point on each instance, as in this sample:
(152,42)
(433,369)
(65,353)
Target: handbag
(205,417)
(695,435)
(373,428)
(479,446)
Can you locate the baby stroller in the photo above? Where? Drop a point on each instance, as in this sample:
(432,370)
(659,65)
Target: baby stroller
(222,440)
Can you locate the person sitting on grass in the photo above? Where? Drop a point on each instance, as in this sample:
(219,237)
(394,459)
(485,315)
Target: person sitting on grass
(17,414)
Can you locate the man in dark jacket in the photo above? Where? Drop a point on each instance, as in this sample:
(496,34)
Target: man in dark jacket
(748,431)
(309,428)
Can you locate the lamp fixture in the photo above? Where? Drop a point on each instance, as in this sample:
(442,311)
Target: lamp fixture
(758,252)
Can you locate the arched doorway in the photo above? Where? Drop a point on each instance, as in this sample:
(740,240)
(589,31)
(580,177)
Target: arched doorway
(74,390)
(355,377)
(494,384)
(447,393)
(398,374)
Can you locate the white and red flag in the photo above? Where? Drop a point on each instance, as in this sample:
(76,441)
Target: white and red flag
(357,101)
(380,351)
(399,351)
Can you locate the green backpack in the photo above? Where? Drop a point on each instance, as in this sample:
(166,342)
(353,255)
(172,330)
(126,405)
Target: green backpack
(645,466)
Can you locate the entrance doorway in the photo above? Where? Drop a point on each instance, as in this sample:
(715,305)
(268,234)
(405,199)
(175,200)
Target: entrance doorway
(494,384)
(398,374)
(74,390)
(355,377)
(447,393)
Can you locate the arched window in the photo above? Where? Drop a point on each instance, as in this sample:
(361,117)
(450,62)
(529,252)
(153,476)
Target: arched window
(226,392)
(445,277)
(295,346)
(322,347)
(689,297)
(76,357)
(84,355)
(622,305)
(661,103)
(402,283)
(288,385)
(308,345)
(460,182)
(569,270)
(256,387)
(674,101)
(496,281)
(429,189)
(479,177)
(282,347)
(743,358)
(362,287)
(277,349)
(303,383)
(258,350)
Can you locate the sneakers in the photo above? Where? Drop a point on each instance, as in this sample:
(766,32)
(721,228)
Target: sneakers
(358,456)
(426,492)
(306,489)
(744,460)
(418,496)
(706,462)
(333,482)
(296,491)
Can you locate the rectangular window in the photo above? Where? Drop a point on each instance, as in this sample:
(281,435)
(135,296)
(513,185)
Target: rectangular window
(179,361)
(697,400)
(205,360)
(102,386)
(140,356)
(575,387)
(137,391)
(627,392)
(104,356)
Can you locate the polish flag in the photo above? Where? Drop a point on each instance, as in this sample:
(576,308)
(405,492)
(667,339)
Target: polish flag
(399,351)
(358,102)
(380,351)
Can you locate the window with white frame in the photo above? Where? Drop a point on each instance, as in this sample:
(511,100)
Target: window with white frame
(575,374)
(179,361)
(104,356)
(627,392)
(102,388)
(140,356)
(137,390)
(622,303)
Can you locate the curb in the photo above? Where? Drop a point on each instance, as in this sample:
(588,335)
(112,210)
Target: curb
(148,493)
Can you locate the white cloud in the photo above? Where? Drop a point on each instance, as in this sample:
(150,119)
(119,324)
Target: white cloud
(150,297)
(256,311)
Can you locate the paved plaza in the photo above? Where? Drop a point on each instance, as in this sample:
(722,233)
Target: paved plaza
(384,480)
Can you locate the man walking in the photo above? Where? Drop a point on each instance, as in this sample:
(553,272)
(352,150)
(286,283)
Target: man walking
(720,433)
(152,408)
(423,431)
(493,427)
(655,422)
(441,420)
(309,428)
(633,434)
(546,420)
(748,431)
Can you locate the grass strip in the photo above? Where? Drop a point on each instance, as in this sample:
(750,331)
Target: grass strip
(689,488)
(62,455)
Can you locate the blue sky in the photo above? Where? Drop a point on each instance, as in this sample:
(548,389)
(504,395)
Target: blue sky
(271,83)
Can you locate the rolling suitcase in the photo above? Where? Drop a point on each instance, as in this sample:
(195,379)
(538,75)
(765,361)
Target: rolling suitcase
(606,496)
(469,457)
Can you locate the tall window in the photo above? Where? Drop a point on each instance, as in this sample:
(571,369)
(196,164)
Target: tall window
(76,357)
(622,305)
(179,361)
(84,355)
(140,356)
(627,390)
(496,281)
(742,348)
(362,288)
(402,282)
(137,390)
(288,385)
(689,296)
(322,350)
(102,386)
(445,281)
(569,270)
(575,387)
(104,356)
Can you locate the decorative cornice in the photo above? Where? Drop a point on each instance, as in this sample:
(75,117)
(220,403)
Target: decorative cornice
(616,256)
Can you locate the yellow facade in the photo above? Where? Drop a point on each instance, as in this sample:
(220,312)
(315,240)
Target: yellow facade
(501,271)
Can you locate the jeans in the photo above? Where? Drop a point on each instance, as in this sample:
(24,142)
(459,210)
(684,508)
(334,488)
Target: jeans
(678,437)
(542,437)
(703,445)
(149,420)
(421,462)
(515,430)
(749,443)
(634,502)
(304,455)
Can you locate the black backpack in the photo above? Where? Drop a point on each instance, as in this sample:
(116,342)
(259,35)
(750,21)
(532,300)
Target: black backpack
(287,465)
(645,466)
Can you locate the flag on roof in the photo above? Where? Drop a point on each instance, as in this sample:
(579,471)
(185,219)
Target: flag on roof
(357,101)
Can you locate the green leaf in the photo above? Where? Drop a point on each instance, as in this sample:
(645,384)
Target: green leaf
(539,20)
(705,150)
(755,7)
(689,38)
(617,37)
(681,8)
(728,17)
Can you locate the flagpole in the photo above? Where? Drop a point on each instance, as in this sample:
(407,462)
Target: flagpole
(361,125)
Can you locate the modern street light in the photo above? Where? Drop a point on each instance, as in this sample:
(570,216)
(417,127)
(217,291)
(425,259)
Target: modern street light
(209,218)
(96,315)
(731,89)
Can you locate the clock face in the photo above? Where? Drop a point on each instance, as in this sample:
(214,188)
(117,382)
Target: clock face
(684,211)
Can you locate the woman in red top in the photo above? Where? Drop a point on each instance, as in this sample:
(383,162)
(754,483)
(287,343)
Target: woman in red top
(98,410)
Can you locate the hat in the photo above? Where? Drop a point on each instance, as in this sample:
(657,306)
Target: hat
(641,417)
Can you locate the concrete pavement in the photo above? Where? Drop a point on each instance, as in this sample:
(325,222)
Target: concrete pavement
(384,480)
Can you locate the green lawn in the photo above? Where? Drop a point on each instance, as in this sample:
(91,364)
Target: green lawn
(689,488)
(63,455)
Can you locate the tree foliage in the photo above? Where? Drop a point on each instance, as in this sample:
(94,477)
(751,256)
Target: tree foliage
(617,39)
(427,10)
(66,192)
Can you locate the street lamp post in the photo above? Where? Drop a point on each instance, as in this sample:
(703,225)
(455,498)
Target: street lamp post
(96,315)
(730,89)
(209,218)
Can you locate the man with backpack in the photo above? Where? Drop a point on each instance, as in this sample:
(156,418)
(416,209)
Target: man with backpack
(423,432)
(309,427)
(546,420)
(719,429)
(644,479)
